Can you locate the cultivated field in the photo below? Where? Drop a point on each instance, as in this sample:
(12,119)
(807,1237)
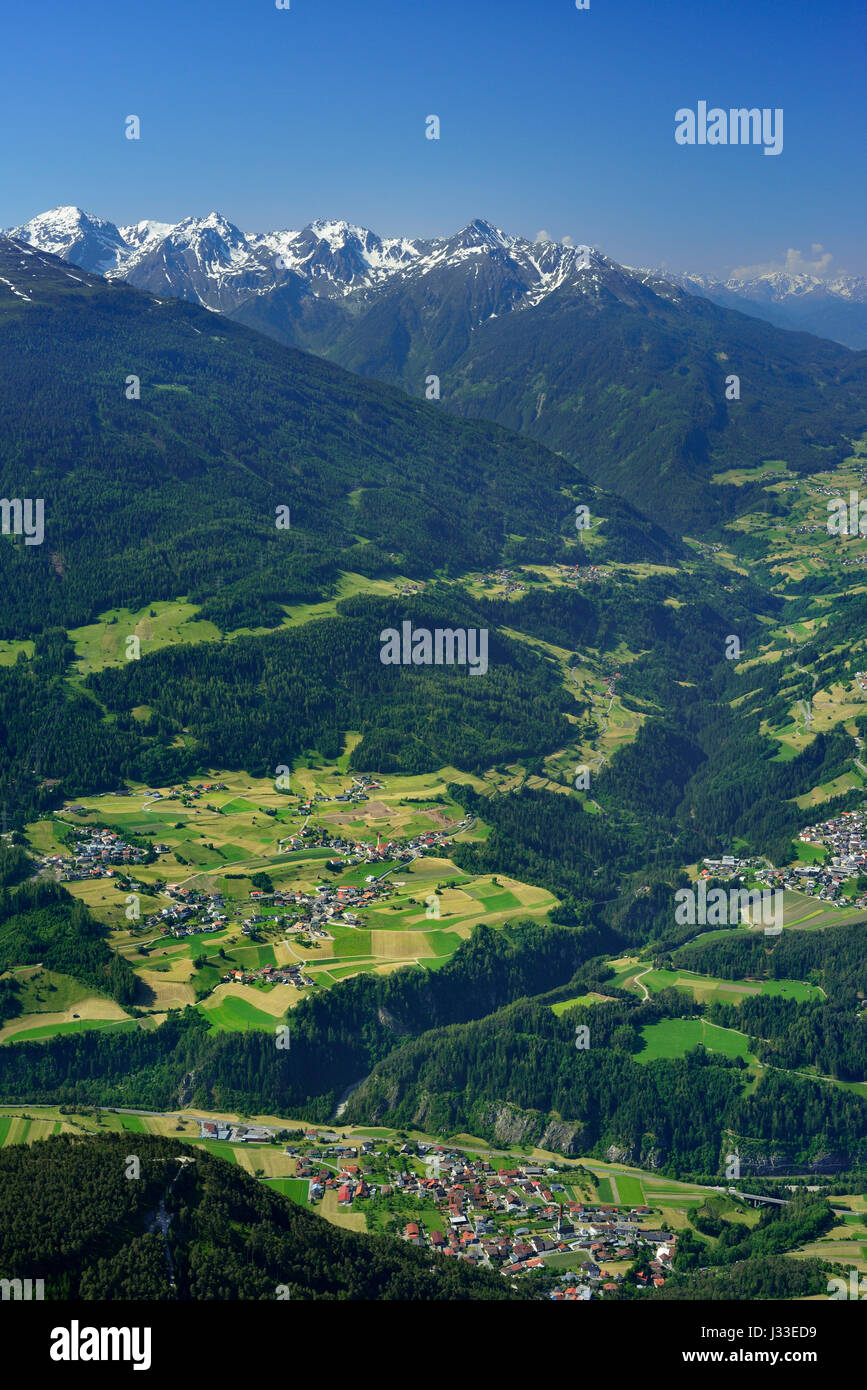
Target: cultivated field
(219,839)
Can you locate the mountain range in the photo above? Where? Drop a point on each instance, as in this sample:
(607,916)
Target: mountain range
(620,371)
(212,261)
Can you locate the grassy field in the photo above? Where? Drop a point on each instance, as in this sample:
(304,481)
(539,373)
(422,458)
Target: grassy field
(585,999)
(629,1190)
(845,1252)
(634,1187)
(338,1215)
(296,1189)
(264,1160)
(86,1010)
(9,651)
(706,987)
(46,991)
(52,1030)
(235,1015)
(673,1037)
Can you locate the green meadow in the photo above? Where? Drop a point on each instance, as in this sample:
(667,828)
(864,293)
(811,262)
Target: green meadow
(583,999)
(673,1037)
(236,1015)
(706,987)
(75,1025)
(630,1190)
(296,1189)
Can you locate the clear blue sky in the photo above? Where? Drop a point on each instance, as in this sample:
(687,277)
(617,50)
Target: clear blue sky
(551,118)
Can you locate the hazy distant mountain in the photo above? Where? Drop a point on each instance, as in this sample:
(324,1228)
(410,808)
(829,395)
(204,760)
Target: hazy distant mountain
(835,308)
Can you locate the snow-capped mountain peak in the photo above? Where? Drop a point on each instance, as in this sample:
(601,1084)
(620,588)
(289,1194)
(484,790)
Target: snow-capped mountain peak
(90,242)
(480,233)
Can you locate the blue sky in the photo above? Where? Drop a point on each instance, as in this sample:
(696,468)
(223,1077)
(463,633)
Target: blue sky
(551,118)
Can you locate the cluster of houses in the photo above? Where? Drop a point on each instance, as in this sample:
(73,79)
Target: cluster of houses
(349,852)
(354,851)
(480,1204)
(291,974)
(510,1219)
(584,574)
(334,903)
(190,912)
(96,854)
(844,835)
(508,579)
(190,793)
(821,883)
(352,795)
